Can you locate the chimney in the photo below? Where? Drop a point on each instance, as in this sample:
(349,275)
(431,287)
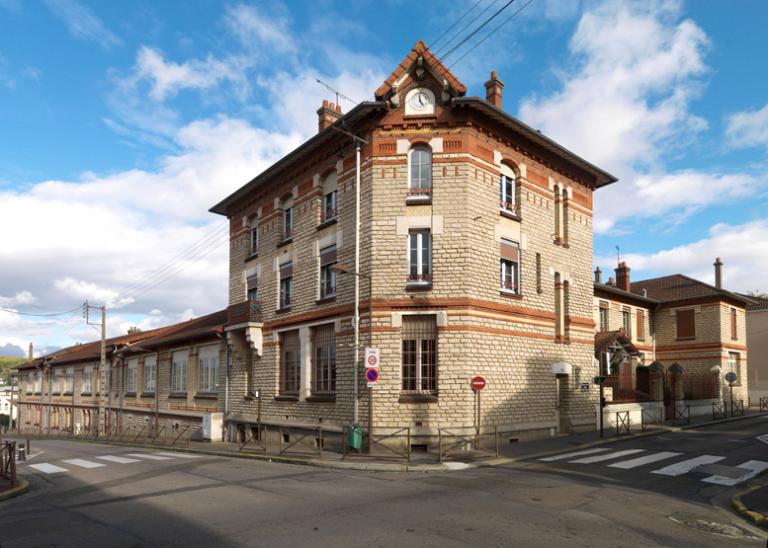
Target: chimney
(718,273)
(493,89)
(598,276)
(610,281)
(134,330)
(31,352)
(622,276)
(327,115)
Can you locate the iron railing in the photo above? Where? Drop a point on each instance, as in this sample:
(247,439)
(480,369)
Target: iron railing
(648,418)
(299,445)
(623,423)
(718,410)
(378,441)
(683,413)
(451,443)
(8,462)
(763,404)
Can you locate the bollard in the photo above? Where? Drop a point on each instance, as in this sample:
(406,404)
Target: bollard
(22,452)
(29,447)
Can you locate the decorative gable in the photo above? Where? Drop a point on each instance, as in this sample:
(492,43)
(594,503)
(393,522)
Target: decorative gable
(420,65)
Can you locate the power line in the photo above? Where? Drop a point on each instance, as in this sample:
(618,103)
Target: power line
(507,20)
(41,315)
(446,31)
(478,29)
(465,27)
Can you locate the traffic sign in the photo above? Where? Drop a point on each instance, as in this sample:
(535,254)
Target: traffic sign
(599,379)
(372,357)
(477,383)
(372,376)
(731,377)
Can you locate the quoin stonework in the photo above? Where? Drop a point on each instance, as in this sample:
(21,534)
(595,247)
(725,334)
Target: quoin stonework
(475,260)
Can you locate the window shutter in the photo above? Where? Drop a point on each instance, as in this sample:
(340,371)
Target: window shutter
(686,324)
(328,255)
(640,324)
(286,270)
(734,330)
(509,251)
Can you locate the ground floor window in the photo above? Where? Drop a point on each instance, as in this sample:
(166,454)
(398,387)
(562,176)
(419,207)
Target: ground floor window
(419,353)
(208,368)
(289,363)
(324,359)
(179,371)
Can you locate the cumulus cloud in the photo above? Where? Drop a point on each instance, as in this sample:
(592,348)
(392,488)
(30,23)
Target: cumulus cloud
(256,28)
(82,23)
(748,128)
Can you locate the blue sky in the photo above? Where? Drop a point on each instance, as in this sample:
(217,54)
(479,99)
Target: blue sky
(124,121)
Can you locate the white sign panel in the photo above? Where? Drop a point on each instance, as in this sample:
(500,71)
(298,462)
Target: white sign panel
(372,357)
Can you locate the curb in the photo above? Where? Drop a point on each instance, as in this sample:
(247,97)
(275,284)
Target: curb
(21,488)
(755,517)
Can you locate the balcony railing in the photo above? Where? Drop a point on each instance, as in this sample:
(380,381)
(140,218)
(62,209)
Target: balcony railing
(244,312)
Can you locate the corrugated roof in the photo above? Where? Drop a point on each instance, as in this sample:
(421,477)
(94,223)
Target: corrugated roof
(679,287)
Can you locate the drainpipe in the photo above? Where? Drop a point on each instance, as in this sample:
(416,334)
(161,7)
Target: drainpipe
(223,336)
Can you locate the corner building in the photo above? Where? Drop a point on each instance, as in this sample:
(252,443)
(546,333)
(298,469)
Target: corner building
(475,259)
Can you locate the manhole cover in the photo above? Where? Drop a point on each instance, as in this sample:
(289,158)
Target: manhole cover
(713,527)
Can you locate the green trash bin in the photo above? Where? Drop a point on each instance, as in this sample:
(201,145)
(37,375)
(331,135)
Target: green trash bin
(355,437)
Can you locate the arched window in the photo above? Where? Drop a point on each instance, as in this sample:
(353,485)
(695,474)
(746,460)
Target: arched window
(507,189)
(420,174)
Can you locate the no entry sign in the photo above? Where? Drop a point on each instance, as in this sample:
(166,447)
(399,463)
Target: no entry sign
(477,383)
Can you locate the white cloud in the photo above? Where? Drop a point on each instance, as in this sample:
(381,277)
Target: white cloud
(742,247)
(748,128)
(257,30)
(21,298)
(82,23)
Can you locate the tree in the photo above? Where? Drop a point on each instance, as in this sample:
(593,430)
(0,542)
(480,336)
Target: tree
(7,370)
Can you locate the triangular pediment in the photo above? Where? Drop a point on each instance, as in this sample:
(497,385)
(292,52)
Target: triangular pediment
(418,65)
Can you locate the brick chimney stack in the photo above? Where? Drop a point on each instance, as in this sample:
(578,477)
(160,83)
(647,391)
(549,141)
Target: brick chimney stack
(622,276)
(327,115)
(718,273)
(493,89)
(598,276)
(31,352)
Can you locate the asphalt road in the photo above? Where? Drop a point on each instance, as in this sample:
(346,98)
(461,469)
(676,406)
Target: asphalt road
(135,500)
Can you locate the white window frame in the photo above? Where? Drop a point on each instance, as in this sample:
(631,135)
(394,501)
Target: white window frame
(333,211)
(208,369)
(87,387)
(507,200)
(421,189)
(254,239)
(288,222)
(420,240)
(69,386)
(149,382)
(179,368)
(131,373)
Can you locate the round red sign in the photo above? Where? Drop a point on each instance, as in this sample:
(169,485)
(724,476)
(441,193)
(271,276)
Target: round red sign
(477,383)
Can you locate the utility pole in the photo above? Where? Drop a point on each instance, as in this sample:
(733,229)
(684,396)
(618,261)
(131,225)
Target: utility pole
(102,326)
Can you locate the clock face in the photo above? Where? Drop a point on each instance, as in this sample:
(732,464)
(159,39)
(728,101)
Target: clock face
(420,101)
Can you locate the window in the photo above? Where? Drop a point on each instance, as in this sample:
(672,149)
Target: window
(626,320)
(420,256)
(507,189)
(686,324)
(255,240)
(39,382)
(603,316)
(252,282)
(30,383)
(70,380)
(208,369)
(734,325)
(150,373)
(324,358)
(734,362)
(286,282)
(330,205)
(640,324)
(420,180)
(130,375)
(287,223)
(179,361)
(327,274)
(289,363)
(419,354)
(510,266)
(56,381)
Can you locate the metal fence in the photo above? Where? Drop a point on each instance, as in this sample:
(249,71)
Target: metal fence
(623,423)
(763,404)
(453,444)
(381,445)
(8,462)
(650,417)
(718,410)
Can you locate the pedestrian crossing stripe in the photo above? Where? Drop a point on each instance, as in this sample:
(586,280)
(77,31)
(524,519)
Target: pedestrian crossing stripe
(610,456)
(118,460)
(178,455)
(576,454)
(755,467)
(642,461)
(150,456)
(82,463)
(683,467)
(47,468)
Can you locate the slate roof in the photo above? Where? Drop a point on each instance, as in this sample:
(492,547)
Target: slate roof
(679,287)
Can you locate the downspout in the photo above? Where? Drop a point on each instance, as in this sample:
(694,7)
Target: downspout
(223,336)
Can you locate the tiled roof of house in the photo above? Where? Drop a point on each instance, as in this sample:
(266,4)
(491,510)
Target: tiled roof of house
(92,350)
(604,339)
(679,287)
(759,303)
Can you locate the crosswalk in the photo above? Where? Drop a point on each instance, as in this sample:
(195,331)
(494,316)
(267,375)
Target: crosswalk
(100,461)
(707,467)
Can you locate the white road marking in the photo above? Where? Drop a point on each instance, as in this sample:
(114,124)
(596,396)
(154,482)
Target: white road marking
(683,467)
(576,454)
(118,460)
(641,461)
(46,468)
(150,456)
(756,466)
(763,438)
(180,455)
(609,456)
(82,463)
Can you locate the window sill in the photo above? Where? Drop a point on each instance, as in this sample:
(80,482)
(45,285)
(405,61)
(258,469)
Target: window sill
(130,394)
(285,242)
(510,294)
(509,214)
(206,396)
(178,395)
(287,397)
(414,285)
(685,339)
(328,222)
(283,310)
(322,398)
(325,300)
(418,199)
(417,398)
(252,256)
(147,394)
(86,394)
(66,393)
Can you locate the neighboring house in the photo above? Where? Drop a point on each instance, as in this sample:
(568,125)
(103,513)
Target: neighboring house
(8,395)
(166,378)
(476,254)
(689,332)
(757,347)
